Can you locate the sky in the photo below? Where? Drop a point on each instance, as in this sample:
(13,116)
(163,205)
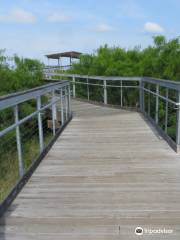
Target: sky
(33,28)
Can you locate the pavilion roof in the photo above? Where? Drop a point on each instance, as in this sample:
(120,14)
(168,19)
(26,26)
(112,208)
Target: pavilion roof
(71,54)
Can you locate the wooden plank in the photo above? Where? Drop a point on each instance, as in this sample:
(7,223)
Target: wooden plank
(108,173)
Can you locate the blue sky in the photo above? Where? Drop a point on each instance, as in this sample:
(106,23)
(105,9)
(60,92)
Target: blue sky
(32,28)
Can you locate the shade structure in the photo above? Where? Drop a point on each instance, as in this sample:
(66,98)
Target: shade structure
(71,54)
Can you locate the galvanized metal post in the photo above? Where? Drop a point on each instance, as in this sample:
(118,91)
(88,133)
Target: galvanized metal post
(166,111)
(69,101)
(178,123)
(141,95)
(62,108)
(40,128)
(66,103)
(87,89)
(54,113)
(157,104)
(18,142)
(105,92)
(149,102)
(121,94)
(74,87)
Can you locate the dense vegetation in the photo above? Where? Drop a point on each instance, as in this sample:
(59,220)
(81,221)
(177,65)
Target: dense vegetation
(161,60)
(19,74)
(23,74)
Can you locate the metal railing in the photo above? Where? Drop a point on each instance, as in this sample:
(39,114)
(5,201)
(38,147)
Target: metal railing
(57,67)
(29,122)
(158,100)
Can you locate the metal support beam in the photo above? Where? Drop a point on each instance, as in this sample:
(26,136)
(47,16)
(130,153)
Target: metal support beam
(74,87)
(105,91)
(157,104)
(18,142)
(40,128)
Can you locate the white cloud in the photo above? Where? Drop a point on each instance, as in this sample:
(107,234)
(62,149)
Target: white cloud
(152,27)
(55,17)
(18,15)
(103,28)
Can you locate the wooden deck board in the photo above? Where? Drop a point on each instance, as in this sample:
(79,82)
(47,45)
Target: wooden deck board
(108,173)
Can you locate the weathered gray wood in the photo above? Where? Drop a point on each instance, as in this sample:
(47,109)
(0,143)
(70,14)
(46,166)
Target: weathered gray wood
(108,173)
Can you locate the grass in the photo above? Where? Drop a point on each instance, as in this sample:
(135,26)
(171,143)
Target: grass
(9,175)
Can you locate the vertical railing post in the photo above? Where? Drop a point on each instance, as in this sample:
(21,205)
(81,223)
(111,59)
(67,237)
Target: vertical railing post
(105,91)
(74,87)
(166,110)
(149,102)
(66,102)
(54,112)
(157,104)
(121,94)
(178,122)
(87,88)
(18,142)
(62,108)
(40,128)
(141,95)
(69,101)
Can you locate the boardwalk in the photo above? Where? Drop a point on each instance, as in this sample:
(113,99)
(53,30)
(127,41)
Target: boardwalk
(108,173)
